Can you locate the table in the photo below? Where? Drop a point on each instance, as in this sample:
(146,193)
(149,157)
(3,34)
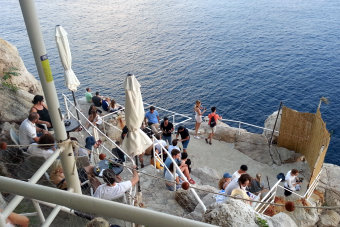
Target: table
(71,125)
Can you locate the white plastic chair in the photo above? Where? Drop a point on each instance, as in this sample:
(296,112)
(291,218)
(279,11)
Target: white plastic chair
(14,136)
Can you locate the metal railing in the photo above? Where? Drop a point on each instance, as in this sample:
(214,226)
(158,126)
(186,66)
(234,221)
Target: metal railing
(34,179)
(269,197)
(240,123)
(176,168)
(172,115)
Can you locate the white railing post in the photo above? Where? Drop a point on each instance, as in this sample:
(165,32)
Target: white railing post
(39,211)
(239,128)
(40,172)
(66,106)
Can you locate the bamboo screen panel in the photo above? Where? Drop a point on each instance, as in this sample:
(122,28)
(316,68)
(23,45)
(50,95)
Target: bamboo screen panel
(305,133)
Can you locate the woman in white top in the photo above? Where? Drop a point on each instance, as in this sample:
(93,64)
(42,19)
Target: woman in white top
(198,117)
(45,147)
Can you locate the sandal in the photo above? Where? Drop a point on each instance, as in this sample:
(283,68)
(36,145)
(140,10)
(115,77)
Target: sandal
(191,181)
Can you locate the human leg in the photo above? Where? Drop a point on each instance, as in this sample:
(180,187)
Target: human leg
(185,145)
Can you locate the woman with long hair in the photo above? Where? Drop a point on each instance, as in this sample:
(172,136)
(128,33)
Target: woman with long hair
(198,117)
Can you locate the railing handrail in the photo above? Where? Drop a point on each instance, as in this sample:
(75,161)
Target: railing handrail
(268,194)
(95,127)
(244,123)
(180,172)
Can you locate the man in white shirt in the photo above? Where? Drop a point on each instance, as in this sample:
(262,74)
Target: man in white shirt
(243,169)
(28,130)
(112,190)
(291,183)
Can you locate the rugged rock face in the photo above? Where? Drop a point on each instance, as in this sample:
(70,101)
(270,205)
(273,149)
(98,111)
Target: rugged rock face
(237,213)
(269,124)
(15,105)
(329,218)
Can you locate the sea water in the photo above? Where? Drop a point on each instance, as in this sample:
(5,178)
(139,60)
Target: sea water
(242,56)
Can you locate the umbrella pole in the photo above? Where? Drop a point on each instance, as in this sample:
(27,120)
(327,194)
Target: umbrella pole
(75,104)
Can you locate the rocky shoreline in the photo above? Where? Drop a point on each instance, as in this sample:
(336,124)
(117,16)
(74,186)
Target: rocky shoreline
(15,106)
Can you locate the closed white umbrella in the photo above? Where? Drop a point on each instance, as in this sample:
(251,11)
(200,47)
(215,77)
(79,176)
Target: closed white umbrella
(63,45)
(136,141)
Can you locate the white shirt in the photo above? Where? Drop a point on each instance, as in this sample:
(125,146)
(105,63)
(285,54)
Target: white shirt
(35,150)
(158,146)
(112,192)
(235,175)
(27,131)
(172,147)
(231,186)
(290,180)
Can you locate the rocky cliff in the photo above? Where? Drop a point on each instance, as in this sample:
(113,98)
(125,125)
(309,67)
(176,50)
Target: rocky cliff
(15,104)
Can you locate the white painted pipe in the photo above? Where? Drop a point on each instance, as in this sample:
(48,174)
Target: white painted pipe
(97,206)
(17,199)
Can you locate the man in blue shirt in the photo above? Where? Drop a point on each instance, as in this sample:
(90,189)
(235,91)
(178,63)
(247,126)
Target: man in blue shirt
(152,118)
(176,155)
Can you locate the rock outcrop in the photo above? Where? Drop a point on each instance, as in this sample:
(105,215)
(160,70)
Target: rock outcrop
(269,124)
(15,105)
(237,213)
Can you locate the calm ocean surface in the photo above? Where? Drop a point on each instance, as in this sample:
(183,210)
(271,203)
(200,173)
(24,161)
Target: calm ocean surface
(242,56)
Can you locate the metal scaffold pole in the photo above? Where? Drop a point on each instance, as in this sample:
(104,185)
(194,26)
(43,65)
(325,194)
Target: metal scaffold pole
(47,83)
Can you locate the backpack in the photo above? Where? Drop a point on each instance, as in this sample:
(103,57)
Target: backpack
(281,176)
(212,121)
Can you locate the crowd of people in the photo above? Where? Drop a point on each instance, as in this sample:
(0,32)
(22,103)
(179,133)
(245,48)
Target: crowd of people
(241,184)
(34,132)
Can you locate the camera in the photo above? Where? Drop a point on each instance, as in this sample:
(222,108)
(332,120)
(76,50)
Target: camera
(299,180)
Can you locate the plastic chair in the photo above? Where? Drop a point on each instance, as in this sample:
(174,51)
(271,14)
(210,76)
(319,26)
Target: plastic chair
(14,136)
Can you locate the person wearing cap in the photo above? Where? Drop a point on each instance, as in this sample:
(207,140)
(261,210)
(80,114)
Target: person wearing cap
(152,119)
(224,181)
(185,137)
(113,190)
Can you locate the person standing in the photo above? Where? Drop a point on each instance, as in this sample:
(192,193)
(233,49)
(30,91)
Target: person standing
(185,137)
(198,117)
(152,119)
(167,129)
(213,118)
(88,95)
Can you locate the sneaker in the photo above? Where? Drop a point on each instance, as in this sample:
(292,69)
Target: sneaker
(197,137)
(210,143)
(206,140)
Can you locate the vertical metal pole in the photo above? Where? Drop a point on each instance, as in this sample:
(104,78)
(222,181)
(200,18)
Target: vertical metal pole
(75,104)
(66,106)
(39,211)
(47,83)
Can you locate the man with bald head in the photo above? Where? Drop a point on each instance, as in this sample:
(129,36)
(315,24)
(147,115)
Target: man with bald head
(28,130)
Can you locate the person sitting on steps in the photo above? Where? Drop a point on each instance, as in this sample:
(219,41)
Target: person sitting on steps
(176,155)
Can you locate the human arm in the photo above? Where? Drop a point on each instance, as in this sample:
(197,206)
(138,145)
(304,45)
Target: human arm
(135,177)
(18,219)
(34,110)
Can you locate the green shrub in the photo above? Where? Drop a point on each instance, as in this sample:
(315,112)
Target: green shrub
(6,79)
